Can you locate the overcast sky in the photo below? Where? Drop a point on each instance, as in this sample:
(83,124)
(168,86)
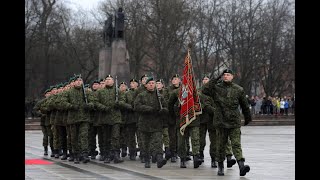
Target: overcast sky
(85,4)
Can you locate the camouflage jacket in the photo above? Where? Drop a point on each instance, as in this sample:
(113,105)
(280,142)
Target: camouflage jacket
(93,111)
(165,93)
(129,116)
(176,107)
(106,103)
(42,114)
(59,118)
(208,107)
(147,105)
(73,101)
(227,98)
(50,105)
(174,111)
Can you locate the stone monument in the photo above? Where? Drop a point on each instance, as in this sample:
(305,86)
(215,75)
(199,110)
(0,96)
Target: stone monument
(114,57)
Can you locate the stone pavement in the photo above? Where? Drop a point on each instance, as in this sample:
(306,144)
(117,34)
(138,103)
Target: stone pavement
(269,150)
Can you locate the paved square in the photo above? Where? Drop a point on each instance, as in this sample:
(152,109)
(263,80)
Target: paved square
(269,151)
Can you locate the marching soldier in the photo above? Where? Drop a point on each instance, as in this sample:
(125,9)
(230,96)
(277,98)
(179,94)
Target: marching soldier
(148,104)
(130,118)
(228,96)
(74,101)
(44,123)
(108,102)
(123,133)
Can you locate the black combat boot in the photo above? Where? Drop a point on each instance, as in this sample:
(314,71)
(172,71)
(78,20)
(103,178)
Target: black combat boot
(230,162)
(60,152)
(64,155)
(124,152)
(196,161)
(202,156)
(93,154)
(173,157)
(147,161)
(142,157)
(107,158)
(45,151)
(117,158)
(160,161)
(243,168)
(76,158)
(213,163)
(85,157)
(220,169)
(102,156)
(167,153)
(71,157)
(111,155)
(52,152)
(153,158)
(56,153)
(182,162)
(132,155)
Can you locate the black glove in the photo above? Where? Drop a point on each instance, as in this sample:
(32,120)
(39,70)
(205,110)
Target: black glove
(116,105)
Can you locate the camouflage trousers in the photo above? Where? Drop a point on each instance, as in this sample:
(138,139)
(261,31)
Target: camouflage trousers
(172,130)
(123,136)
(182,145)
(204,127)
(69,146)
(140,143)
(131,136)
(59,136)
(92,137)
(151,143)
(165,137)
(47,136)
(110,137)
(222,140)
(228,148)
(79,137)
(100,140)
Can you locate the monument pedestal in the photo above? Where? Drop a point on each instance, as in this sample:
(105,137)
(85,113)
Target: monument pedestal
(113,60)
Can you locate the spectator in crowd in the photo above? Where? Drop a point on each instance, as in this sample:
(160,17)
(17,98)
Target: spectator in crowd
(282,106)
(258,105)
(252,103)
(286,106)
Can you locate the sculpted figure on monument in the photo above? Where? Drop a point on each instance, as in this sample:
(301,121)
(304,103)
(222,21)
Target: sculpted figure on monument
(108,31)
(119,23)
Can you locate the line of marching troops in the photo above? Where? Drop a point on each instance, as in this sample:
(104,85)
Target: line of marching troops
(126,121)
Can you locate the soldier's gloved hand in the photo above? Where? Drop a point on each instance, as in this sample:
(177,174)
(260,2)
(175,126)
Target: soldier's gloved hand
(116,105)
(163,111)
(88,106)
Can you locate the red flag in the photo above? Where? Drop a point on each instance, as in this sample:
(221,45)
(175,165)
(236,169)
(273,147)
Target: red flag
(188,96)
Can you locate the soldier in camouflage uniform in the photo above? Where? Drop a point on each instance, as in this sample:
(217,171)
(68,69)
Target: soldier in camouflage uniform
(51,105)
(130,118)
(60,122)
(192,129)
(206,124)
(123,133)
(140,89)
(165,135)
(93,123)
(44,123)
(74,101)
(228,96)
(108,102)
(172,129)
(150,123)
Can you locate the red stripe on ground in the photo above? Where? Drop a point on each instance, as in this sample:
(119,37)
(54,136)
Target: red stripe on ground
(37,162)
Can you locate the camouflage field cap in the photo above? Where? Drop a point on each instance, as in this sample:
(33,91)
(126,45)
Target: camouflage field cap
(145,75)
(133,80)
(228,71)
(175,76)
(149,79)
(160,80)
(205,76)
